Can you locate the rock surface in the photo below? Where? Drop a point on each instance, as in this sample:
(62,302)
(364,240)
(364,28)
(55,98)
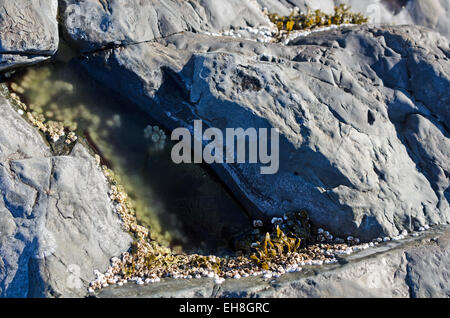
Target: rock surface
(362,113)
(93,25)
(433,14)
(28,32)
(414,267)
(56,221)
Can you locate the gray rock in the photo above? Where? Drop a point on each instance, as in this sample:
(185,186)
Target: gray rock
(56,221)
(28,32)
(167,288)
(344,101)
(93,25)
(414,267)
(428,274)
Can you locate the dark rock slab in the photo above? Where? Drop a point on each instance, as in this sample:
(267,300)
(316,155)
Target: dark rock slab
(344,102)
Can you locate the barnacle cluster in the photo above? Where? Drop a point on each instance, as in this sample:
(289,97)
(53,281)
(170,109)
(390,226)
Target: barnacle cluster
(312,19)
(52,129)
(47,93)
(156,135)
(65,108)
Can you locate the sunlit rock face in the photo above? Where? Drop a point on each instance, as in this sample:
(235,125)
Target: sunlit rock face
(56,221)
(28,32)
(433,14)
(92,25)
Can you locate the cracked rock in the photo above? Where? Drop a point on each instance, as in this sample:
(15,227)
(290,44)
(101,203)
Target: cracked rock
(28,32)
(56,221)
(94,25)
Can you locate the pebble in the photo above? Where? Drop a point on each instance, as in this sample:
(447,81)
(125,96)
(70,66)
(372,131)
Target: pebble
(104,280)
(257,223)
(267,275)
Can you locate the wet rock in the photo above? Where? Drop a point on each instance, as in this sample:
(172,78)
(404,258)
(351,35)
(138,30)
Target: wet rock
(93,25)
(344,102)
(56,221)
(28,32)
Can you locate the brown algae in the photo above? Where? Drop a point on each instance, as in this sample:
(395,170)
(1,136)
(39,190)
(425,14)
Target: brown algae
(312,19)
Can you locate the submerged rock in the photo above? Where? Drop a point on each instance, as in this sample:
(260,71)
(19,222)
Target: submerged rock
(56,221)
(28,32)
(352,106)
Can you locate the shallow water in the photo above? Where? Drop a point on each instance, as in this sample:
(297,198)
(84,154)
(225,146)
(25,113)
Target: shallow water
(184,206)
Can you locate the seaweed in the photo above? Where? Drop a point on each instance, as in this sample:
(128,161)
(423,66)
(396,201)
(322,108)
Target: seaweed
(313,19)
